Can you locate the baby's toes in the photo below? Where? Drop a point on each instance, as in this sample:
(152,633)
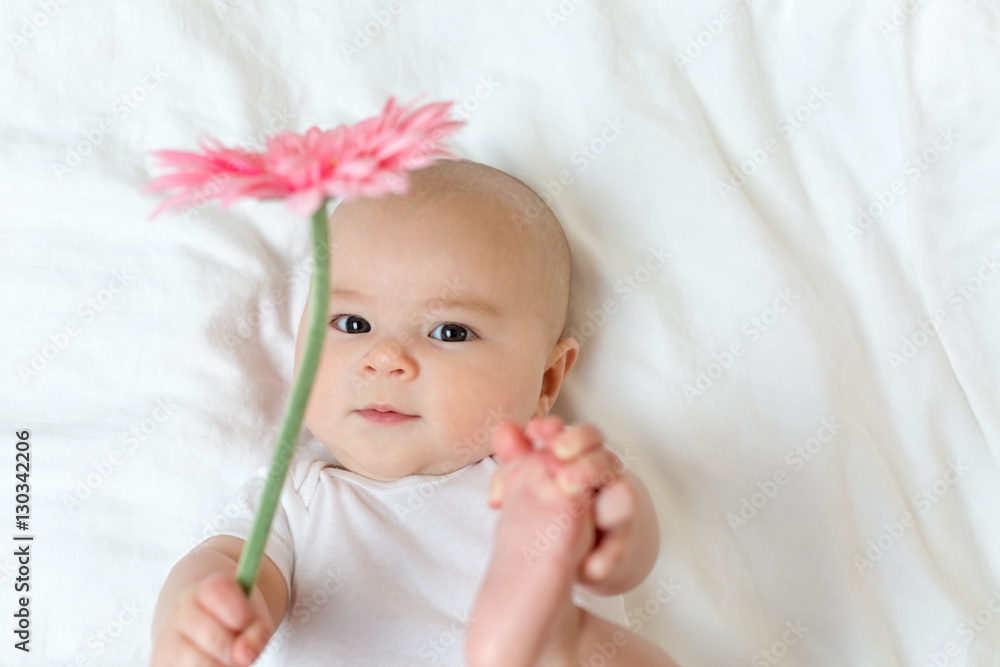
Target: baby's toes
(615,505)
(588,473)
(608,554)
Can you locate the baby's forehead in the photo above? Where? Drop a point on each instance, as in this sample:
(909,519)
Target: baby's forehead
(482,205)
(462,182)
(445,218)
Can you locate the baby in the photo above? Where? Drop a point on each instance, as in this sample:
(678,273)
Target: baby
(461,524)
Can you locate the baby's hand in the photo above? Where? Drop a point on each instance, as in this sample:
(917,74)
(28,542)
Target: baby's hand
(213,623)
(582,466)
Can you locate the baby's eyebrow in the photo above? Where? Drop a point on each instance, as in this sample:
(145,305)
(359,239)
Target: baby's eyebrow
(460,303)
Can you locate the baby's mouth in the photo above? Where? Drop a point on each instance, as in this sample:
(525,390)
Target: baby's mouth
(384,407)
(384,414)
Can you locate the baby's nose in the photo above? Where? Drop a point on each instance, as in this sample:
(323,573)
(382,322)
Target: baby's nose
(388,357)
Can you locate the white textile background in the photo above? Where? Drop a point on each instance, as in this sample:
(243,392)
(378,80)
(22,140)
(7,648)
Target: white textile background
(784,224)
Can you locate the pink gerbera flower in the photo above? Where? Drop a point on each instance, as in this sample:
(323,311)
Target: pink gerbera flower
(305,170)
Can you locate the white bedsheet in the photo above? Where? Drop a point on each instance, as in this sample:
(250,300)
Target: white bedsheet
(784,221)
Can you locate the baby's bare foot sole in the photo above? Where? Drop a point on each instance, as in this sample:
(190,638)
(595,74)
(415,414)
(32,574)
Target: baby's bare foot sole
(524,608)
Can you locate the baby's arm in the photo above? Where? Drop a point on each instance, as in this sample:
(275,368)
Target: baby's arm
(202,616)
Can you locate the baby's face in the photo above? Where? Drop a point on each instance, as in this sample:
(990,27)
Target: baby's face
(393,339)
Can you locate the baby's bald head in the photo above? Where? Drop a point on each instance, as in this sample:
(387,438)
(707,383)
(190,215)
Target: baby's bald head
(520,222)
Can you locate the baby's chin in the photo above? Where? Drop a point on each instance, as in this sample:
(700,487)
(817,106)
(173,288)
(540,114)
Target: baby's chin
(384,469)
(385,455)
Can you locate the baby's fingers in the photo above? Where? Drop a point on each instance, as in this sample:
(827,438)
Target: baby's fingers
(252,641)
(511,445)
(576,441)
(221,596)
(607,555)
(594,470)
(221,613)
(177,650)
(208,636)
(615,505)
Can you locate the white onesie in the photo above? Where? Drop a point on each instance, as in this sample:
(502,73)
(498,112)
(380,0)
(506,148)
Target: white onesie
(381,573)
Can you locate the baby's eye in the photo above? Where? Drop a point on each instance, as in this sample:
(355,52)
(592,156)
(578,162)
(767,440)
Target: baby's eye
(354,326)
(455,333)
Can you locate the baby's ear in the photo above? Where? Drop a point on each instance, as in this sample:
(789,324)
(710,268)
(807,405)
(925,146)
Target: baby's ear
(563,355)
(560,362)
(572,347)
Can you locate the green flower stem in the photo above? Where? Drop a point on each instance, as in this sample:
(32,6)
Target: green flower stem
(246,571)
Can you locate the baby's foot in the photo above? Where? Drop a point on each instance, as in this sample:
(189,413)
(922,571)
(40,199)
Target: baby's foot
(524,614)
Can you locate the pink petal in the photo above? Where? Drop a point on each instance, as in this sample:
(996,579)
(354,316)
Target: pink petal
(367,160)
(305,202)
